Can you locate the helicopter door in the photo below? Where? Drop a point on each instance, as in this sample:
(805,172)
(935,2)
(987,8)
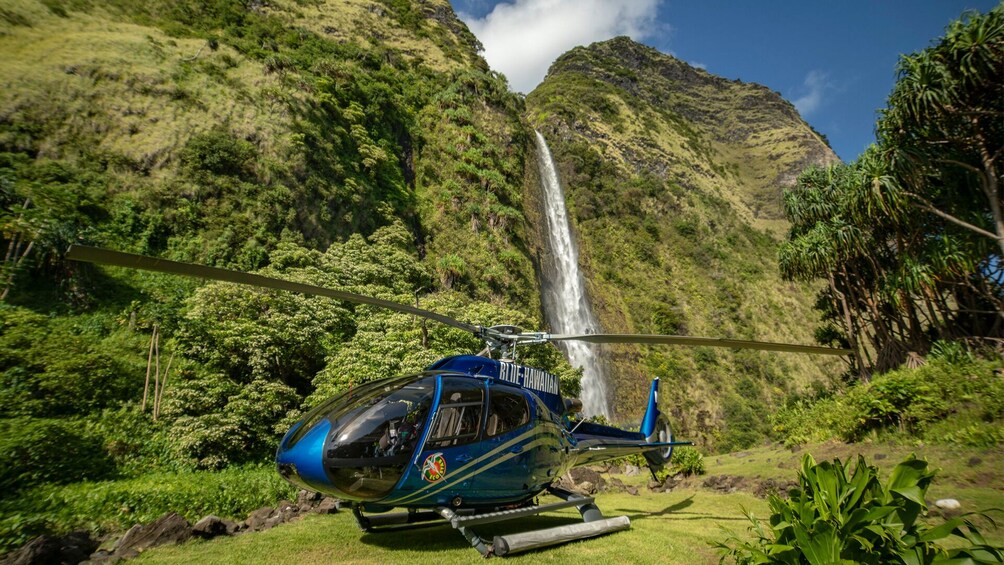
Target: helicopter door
(506,440)
(450,456)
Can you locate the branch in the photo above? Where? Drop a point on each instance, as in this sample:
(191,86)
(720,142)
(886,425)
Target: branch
(927,206)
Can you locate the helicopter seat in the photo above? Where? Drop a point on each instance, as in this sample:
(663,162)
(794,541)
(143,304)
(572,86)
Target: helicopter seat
(573,405)
(493,424)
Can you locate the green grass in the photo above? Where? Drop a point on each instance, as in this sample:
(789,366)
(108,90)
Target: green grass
(665,528)
(673,527)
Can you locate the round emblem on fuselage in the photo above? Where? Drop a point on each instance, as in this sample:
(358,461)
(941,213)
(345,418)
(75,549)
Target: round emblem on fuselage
(434,467)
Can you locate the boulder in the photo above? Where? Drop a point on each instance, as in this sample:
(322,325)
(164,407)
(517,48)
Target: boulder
(948,504)
(585,474)
(71,548)
(308,499)
(169,528)
(326,506)
(212,526)
(257,520)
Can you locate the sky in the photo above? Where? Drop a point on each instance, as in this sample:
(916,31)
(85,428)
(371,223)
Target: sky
(835,61)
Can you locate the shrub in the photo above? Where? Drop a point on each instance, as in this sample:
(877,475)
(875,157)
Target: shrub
(37,450)
(688,461)
(836,516)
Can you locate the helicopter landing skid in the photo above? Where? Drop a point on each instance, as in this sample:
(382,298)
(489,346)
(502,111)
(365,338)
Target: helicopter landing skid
(380,522)
(594,524)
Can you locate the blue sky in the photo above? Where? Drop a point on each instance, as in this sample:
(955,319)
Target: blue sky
(836,61)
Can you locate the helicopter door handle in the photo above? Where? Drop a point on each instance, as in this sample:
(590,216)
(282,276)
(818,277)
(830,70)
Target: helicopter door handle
(464,458)
(516,449)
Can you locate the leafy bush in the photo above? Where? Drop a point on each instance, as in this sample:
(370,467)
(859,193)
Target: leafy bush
(836,516)
(830,518)
(37,450)
(942,402)
(688,461)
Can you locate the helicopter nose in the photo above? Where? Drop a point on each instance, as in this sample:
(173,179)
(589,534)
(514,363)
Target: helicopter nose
(301,462)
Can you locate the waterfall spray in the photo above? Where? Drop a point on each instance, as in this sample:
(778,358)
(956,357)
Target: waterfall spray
(566,305)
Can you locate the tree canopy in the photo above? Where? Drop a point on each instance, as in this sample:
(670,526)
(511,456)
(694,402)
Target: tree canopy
(910,237)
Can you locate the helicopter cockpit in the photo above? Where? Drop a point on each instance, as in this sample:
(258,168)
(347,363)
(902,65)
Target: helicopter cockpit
(361,443)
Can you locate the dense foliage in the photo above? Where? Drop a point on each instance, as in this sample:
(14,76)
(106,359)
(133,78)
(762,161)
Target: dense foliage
(954,399)
(909,238)
(839,516)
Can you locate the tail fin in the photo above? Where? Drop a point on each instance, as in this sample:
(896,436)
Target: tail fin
(656,429)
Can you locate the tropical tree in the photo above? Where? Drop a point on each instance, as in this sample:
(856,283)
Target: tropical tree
(909,237)
(942,134)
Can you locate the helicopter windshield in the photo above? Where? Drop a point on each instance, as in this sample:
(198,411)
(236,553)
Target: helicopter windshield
(367,454)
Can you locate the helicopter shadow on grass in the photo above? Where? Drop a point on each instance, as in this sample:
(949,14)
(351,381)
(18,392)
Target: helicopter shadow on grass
(674,512)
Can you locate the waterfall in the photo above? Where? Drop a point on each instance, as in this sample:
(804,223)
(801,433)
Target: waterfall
(565,303)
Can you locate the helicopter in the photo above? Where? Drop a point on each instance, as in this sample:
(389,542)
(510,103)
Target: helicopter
(471,440)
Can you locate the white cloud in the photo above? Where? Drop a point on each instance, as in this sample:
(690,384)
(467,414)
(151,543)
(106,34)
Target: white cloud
(815,86)
(523,38)
(697,65)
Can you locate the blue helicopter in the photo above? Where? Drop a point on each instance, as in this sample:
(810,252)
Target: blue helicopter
(471,440)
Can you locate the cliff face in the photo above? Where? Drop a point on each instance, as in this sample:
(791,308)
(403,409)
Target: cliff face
(656,114)
(674,177)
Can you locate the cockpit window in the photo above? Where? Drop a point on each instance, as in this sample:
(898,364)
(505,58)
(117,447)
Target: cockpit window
(338,406)
(458,419)
(366,455)
(507,410)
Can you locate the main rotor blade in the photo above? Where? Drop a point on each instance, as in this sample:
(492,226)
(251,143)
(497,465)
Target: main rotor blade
(705,341)
(89,254)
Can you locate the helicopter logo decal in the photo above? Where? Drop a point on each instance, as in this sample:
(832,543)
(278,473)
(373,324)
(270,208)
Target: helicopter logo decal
(534,379)
(434,468)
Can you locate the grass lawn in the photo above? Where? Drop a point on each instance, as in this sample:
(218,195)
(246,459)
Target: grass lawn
(672,527)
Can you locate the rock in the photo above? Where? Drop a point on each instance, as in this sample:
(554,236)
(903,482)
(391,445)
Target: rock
(308,499)
(212,526)
(586,487)
(948,504)
(585,474)
(326,506)
(723,483)
(71,548)
(631,470)
(777,487)
(256,520)
(632,491)
(169,528)
(615,470)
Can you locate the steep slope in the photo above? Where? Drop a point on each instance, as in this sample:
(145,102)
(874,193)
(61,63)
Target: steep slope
(673,177)
(211,131)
